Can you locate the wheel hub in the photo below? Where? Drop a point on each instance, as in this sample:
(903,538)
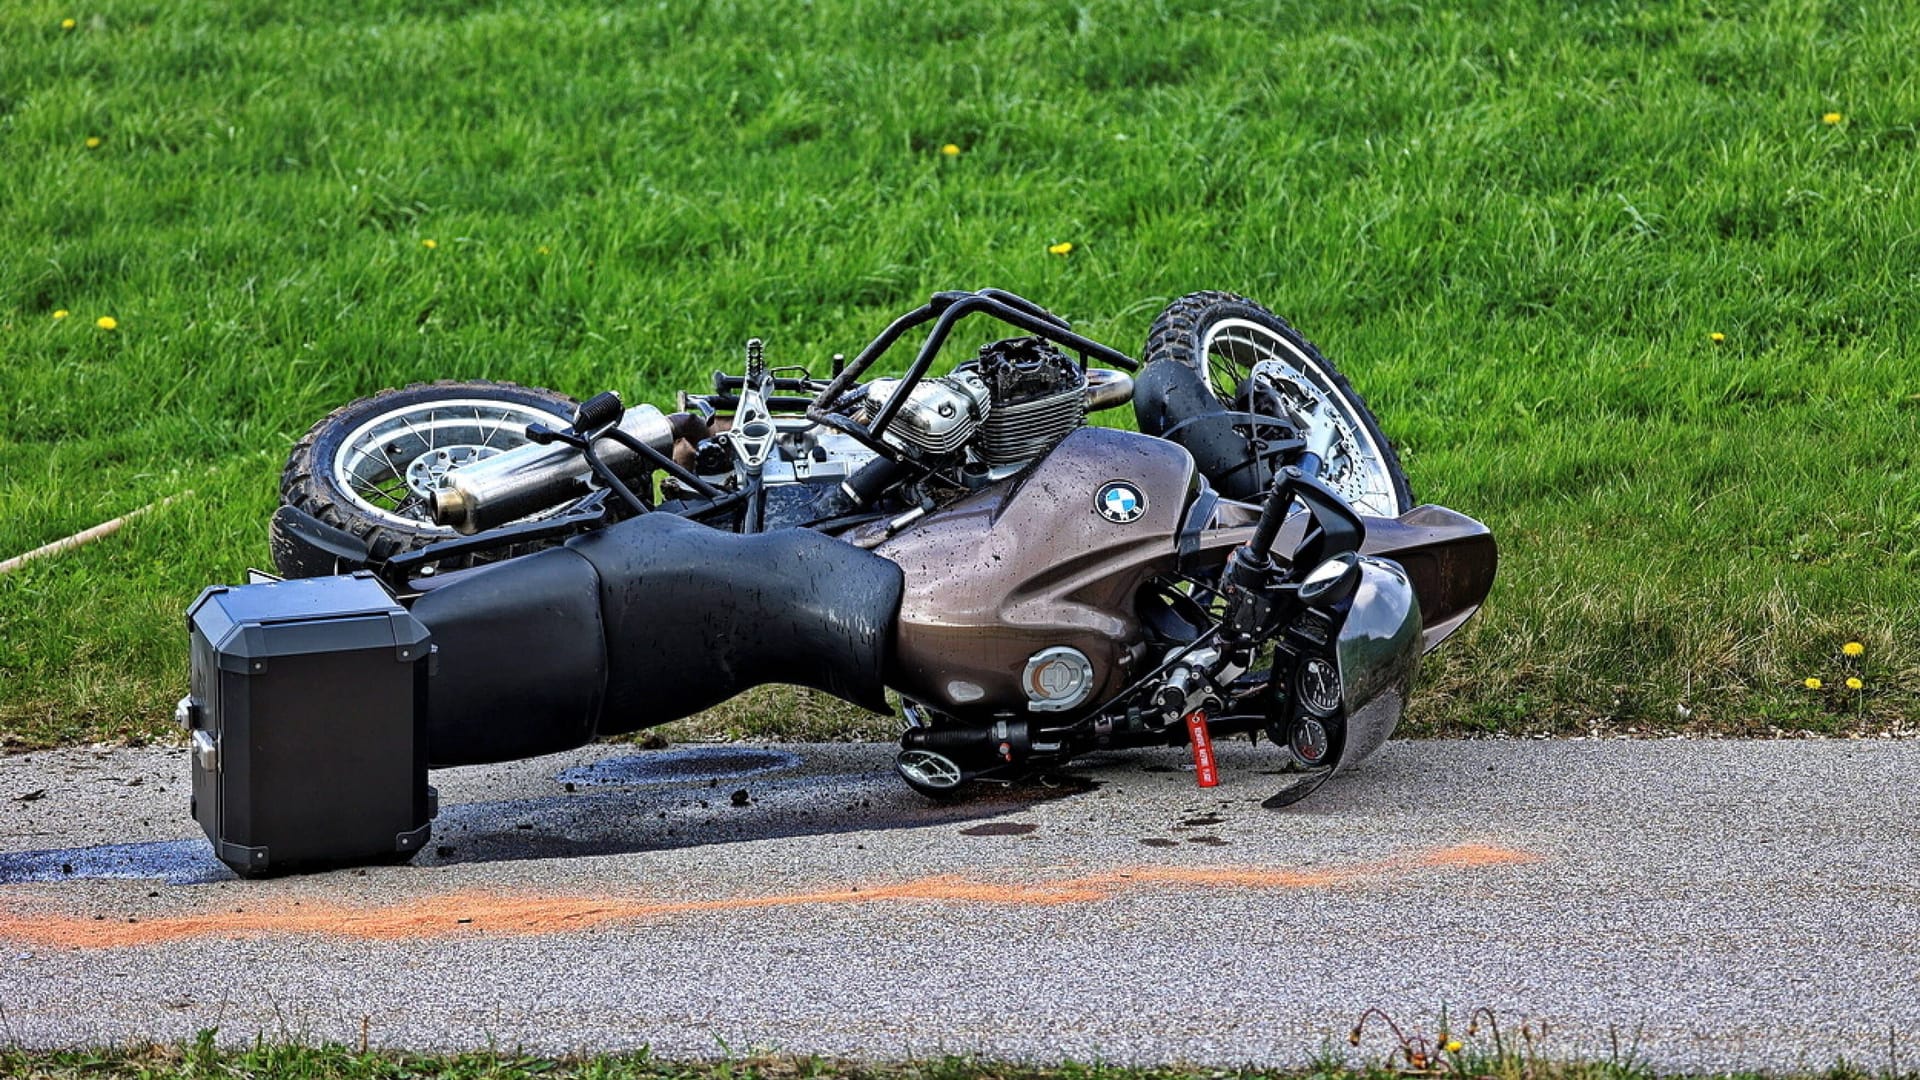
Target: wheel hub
(1318,416)
(428,472)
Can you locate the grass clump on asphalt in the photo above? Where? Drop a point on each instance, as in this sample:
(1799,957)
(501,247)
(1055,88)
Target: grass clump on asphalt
(294,1062)
(1633,283)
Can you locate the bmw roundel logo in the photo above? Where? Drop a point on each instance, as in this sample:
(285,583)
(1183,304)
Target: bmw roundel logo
(1120,502)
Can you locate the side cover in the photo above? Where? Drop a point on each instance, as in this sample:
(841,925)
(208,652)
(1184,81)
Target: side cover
(1033,564)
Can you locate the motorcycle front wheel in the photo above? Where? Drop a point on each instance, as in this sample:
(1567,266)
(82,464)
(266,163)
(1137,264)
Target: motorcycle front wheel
(1255,363)
(369,466)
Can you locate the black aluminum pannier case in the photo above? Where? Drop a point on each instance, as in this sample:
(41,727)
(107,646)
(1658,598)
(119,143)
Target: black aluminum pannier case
(308,724)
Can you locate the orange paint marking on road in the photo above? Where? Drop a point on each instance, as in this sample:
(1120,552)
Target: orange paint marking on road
(521,914)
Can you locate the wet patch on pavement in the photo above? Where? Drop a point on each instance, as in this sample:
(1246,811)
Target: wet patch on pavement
(177,862)
(1001,828)
(657,819)
(654,814)
(680,766)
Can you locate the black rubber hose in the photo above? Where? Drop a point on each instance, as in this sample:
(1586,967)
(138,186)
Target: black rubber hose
(870,481)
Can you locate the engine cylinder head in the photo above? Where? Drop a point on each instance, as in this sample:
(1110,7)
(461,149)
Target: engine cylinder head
(939,416)
(1039,397)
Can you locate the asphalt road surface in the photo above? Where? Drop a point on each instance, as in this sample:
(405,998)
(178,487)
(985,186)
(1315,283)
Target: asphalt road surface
(1697,905)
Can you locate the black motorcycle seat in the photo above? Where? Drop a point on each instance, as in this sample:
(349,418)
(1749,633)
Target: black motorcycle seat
(519,660)
(644,622)
(694,616)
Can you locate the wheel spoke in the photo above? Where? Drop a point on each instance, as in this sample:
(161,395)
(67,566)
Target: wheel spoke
(1234,348)
(391,461)
(368,489)
(412,506)
(391,467)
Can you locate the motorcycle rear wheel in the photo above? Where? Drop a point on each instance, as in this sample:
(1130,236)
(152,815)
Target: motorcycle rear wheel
(1223,337)
(368,466)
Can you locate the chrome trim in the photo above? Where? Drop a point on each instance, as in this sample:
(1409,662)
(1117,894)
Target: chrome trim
(206,751)
(1108,389)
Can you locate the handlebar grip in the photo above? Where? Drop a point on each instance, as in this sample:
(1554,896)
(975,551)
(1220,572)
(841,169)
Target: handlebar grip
(1274,514)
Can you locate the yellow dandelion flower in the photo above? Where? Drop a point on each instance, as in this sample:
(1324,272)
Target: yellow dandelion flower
(1065,247)
(429,244)
(950,150)
(62,313)
(107,322)
(1453,1046)
(68,24)
(1854,683)
(1853,648)
(1813,683)
(93,142)
(543,250)
(1716,337)
(1832,118)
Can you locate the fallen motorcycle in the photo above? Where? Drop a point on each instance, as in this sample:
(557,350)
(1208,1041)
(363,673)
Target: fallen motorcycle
(481,572)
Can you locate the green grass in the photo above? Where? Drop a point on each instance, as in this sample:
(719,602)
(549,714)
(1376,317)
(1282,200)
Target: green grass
(203,1059)
(1514,225)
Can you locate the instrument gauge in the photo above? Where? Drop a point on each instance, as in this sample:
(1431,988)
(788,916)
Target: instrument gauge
(1320,686)
(1309,742)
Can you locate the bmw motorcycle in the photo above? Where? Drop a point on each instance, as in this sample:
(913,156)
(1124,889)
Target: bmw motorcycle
(1029,586)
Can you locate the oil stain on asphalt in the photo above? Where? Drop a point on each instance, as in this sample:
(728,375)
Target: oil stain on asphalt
(654,801)
(683,766)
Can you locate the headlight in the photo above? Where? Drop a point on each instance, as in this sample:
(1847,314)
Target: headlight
(1332,581)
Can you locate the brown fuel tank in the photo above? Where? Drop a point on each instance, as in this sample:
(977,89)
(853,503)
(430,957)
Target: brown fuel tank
(1032,563)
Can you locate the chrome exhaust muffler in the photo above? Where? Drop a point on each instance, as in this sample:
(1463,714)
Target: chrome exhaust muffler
(528,479)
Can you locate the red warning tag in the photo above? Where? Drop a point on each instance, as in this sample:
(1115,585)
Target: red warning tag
(1204,769)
